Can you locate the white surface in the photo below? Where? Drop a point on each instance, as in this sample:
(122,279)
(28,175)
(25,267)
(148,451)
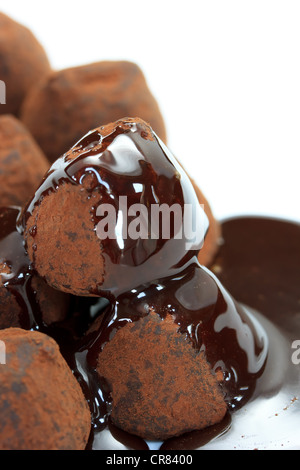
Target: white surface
(226,75)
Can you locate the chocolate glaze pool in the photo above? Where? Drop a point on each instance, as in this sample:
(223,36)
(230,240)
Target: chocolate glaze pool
(259,263)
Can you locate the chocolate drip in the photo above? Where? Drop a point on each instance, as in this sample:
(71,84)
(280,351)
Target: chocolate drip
(204,312)
(259,263)
(16,269)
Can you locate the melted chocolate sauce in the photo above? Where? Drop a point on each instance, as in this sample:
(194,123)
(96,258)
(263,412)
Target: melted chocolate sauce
(196,439)
(259,263)
(16,270)
(204,312)
(17,273)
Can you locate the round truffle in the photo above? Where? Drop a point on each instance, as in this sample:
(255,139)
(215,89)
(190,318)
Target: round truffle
(25,299)
(172,356)
(70,102)
(22,163)
(23,62)
(42,405)
(160,386)
(95,226)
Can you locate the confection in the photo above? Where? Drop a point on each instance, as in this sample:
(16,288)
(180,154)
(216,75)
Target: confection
(42,405)
(23,62)
(70,102)
(22,162)
(116,168)
(25,299)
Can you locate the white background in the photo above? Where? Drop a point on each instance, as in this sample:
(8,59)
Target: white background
(225,73)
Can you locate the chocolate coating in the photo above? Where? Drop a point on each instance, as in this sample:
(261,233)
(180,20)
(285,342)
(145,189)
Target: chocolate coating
(70,102)
(23,62)
(42,406)
(171,356)
(123,159)
(25,299)
(22,163)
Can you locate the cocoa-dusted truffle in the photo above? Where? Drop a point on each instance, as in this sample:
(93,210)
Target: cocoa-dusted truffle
(70,102)
(42,406)
(112,169)
(23,62)
(172,356)
(22,163)
(161,386)
(25,299)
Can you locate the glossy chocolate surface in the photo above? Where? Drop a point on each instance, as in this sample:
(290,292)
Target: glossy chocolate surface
(17,272)
(204,312)
(259,263)
(125,166)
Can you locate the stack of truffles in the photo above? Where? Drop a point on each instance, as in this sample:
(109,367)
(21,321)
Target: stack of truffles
(101,328)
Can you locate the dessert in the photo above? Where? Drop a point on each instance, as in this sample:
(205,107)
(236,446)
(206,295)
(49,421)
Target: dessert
(25,299)
(172,356)
(170,334)
(42,405)
(23,62)
(70,102)
(22,162)
(154,392)
(118,165)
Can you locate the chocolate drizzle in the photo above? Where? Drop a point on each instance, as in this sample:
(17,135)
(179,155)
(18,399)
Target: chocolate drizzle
(16,273)
(259,263)
(124,166)
(205,313)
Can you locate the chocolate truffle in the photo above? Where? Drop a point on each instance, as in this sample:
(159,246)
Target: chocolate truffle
(23,62)
(22,163)
(70,102)
(42,405)
(113,169)
(167,389)
(25,299)
(172,356)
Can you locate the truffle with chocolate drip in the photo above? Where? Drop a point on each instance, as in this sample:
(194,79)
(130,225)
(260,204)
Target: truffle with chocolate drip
(171,356)
(124,169)
(25,299)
